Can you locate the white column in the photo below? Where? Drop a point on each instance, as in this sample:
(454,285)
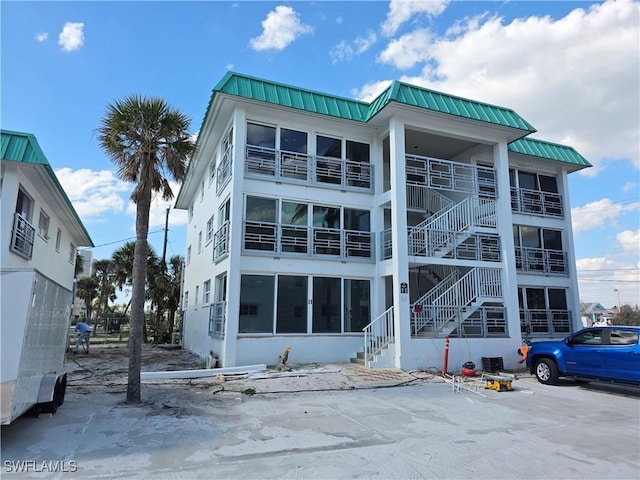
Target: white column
(399,239)
(235,239)
(505,230)
(573,293)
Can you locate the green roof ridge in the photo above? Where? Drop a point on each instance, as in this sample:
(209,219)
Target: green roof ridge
(29,151)
(549,150)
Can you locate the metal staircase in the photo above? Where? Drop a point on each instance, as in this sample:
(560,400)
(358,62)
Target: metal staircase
(446,306)
(379,341)
(440,234)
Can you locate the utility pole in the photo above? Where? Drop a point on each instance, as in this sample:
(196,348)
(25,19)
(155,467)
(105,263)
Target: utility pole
(164,248)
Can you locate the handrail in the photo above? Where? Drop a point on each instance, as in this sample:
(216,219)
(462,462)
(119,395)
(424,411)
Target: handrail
(378,335)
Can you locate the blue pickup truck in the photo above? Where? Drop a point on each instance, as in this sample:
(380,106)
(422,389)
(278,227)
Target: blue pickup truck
(598,353)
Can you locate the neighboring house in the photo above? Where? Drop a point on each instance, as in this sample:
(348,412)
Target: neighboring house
(595,314)
(41,233)
(334,226)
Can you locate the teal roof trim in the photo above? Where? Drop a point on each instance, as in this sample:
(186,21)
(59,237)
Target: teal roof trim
(292,97)
(24,148)
(551,151)
(315,102)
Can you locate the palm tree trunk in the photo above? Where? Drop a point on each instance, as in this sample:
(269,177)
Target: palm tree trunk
(138,297)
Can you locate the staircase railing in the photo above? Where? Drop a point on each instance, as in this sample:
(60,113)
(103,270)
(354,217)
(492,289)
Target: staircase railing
(378,335)
(428,299)
(476,286)
(434,234)
(424,198)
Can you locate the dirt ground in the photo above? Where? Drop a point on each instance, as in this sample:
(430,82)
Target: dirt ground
(105,369)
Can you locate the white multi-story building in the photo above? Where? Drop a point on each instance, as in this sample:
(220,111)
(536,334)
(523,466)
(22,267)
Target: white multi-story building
(337,227)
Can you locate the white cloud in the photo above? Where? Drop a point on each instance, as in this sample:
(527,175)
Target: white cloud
(94,193)
(345,51)
(601,279)
(575,78)
(629,186)
(370,90)
(281,27)
(600,213)
(408,50)
(158,210)
(42,36)
(630,241)
(71,37)
(402,10)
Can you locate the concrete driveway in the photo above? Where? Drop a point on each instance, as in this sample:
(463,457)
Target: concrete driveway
(331,425)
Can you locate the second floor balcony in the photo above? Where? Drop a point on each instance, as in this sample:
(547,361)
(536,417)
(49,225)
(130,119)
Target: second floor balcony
(536,202)
(314,242)
(540,260)
(22,237)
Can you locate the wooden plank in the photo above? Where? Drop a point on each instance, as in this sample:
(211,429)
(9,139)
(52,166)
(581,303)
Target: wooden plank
(211,372)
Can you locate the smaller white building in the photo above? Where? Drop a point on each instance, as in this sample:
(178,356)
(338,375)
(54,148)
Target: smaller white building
(39,238)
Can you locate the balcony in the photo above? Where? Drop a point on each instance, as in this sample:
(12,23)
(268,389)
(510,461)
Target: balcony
(290,167)
(22,237)
(535,202)
(539,260)
(217,319)
(315,242)
(545,323)
(451,176)
(221,242)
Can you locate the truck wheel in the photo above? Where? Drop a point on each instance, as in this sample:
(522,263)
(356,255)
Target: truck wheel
(546,371)
(61,389)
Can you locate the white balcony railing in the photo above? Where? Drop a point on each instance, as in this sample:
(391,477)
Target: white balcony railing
(544,323)
(221,242)
(536,202)
(294,240)
(291,167)
(22,237)
(540,260)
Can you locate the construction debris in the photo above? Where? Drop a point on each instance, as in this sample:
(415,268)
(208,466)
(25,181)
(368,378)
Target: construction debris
(213,372)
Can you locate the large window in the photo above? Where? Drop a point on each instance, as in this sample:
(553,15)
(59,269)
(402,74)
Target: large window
(326,305)
(544,311)
(43,225)
(293,141)
(291,314)
(261,135)
(334,305)
(256,304)
(24,205)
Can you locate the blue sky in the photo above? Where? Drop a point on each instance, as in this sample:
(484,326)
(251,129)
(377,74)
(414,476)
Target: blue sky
(569,68)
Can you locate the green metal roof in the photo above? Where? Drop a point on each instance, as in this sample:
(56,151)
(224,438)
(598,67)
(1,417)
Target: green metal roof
(24,148)
(551,151)
(293,97)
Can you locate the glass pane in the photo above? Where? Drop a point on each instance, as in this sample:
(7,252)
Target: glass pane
(527,180)
(256,304)
(357,152)
(261,209)
(530,237)
(326,217)
(326,305)
(356,220)
(293,141)
(328,147)
(557,299)
(357,302)
(548,184)
(516,236)
(292,304)
(535,299)
(261,135)
(294,213)
(552,239)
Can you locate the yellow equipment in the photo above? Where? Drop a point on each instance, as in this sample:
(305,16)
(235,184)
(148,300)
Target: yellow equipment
(499,383)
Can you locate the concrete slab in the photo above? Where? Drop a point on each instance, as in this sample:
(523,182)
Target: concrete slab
(331,425)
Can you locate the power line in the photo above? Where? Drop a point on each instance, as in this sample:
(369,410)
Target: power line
(119,241)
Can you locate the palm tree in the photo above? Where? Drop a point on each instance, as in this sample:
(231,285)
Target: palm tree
(103,270)
(174,286)
(87,290)
(147,140)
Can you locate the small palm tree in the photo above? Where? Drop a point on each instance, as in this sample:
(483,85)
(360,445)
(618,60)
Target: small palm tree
(87,291)
(148,141)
